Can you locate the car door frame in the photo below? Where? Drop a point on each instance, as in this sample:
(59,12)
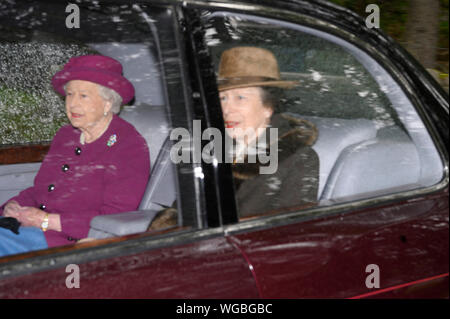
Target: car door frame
(428,100)
(400,70)
(202,228)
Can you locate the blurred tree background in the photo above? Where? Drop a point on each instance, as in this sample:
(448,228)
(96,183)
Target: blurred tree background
(421,26)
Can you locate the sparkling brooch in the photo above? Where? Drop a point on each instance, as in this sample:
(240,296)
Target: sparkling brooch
(112,140)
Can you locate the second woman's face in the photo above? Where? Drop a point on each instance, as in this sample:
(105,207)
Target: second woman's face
(243,109)
(85,107)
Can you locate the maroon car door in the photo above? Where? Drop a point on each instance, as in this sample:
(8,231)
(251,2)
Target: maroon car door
(187,261)
(208,268)
(387,251)
(380,224)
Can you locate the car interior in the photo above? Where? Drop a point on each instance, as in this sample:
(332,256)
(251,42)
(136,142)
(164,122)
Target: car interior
(358,158)
(355,161)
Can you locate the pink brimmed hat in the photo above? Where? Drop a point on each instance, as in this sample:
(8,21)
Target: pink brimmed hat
(99,69)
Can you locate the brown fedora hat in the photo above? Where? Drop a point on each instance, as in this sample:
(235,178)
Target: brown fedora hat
(241,67)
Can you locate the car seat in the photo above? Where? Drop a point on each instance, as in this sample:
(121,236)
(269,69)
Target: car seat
(334,136)
(152,124)
(385,164)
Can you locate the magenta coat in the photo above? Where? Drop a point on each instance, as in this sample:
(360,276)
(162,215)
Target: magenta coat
(79,182)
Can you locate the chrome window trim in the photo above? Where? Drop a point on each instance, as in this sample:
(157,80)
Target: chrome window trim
(139,243)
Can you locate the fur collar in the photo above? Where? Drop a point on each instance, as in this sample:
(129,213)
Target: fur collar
(293,133)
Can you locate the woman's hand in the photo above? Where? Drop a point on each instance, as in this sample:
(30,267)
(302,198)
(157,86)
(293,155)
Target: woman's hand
(27,216)
(31,217)
(12,209)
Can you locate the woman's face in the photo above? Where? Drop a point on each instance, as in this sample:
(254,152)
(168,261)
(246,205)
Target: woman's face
(85,107)
(243,109)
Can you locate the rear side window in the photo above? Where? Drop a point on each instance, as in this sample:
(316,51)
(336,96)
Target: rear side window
(36,42)
(370,141)
(34,45)
(30,111)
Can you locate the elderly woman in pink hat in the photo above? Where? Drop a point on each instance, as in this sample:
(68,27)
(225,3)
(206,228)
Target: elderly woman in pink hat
(99,164)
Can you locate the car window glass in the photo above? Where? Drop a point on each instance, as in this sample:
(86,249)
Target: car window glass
(370,140)
(30,111)
(35,43)
(38,44)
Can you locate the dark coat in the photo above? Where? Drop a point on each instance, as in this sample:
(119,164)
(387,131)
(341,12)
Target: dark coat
(295,183)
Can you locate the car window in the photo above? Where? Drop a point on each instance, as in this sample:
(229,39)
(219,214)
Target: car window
(35,43)
(30,111)
(367,140)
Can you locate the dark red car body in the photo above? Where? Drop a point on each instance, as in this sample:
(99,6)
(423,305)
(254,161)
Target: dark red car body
(300,260)
(320,254)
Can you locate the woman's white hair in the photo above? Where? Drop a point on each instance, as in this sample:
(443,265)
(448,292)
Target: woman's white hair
(110,95)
